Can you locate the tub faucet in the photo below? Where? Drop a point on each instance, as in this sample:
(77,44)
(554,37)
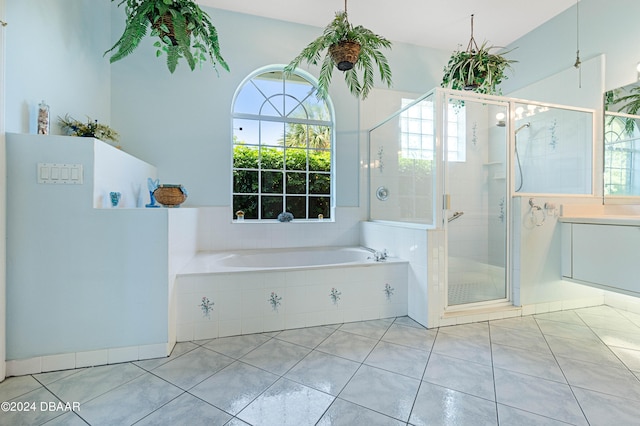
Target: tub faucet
(383,255)
(378,256)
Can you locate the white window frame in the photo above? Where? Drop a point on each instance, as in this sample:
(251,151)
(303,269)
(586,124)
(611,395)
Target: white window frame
(287,120)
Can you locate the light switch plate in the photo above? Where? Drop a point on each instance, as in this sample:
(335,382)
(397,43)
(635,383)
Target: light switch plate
(60,174)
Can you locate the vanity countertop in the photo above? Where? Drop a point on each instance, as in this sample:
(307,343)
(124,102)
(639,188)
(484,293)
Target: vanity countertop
(624,220)
(601,214)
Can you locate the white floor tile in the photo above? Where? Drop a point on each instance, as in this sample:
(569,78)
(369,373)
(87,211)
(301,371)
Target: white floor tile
(461,375)
(382,391)
(574,367)
(344,413)
(130,402)
(602,409)
(287,403)
(539,396)
(234,387)
(436,405)
(188,370)
(324,372)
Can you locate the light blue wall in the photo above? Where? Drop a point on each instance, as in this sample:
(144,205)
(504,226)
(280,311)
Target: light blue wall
(54,53)
(181,122)
(79,278)
(606,27)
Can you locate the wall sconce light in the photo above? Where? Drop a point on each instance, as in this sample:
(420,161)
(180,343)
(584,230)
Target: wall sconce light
(519,112)
(500,119)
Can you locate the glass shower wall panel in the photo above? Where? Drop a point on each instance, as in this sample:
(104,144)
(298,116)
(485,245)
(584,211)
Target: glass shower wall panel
(401,164)
(553,149)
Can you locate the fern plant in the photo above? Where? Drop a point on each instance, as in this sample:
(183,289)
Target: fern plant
(182,28)
(341,30)
(477,69)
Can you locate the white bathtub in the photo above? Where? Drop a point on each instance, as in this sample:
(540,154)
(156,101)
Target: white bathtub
(272,259)
(250,291)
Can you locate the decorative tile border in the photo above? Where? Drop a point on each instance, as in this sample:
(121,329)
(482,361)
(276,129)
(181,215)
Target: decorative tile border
(388,291)
(335,295)
(326,296)
(381,158)
(554,137)
(206,306)
(274,300)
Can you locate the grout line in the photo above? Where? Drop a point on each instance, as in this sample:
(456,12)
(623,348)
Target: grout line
(493,374)
(279,377)
(424,371)
(544,336)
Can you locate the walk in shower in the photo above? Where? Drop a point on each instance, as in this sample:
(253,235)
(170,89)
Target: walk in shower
(452,161)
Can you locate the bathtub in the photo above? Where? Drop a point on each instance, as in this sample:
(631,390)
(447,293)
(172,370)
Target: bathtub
(273,259)
(251,291)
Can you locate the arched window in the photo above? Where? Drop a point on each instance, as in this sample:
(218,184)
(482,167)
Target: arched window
(282,147)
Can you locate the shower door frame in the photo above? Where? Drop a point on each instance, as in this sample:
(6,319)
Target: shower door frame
(444,195)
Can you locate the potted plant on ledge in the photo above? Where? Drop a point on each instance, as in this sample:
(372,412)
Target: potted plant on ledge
(476,68)
(182,28)
(91,129)
(350,49)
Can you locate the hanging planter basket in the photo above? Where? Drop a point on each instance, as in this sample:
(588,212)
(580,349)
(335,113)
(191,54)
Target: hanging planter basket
(345,54)
(183,31)
(164,27)
(476,68)
(344,46)
(474,78)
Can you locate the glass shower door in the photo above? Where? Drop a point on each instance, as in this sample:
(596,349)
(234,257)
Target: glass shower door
(475,141)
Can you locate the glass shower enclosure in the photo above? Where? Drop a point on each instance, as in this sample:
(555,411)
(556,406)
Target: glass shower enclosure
(453,161)
(441,162)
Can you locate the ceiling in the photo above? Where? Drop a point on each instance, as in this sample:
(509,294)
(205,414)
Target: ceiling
(441,24)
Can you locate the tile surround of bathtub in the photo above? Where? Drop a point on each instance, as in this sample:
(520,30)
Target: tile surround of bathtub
(244,302)
(412,244)
(217,232)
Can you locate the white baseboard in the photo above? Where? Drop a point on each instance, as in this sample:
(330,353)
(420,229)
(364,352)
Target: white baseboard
(68,361)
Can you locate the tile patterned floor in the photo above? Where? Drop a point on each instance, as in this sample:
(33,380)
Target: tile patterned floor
(579,367)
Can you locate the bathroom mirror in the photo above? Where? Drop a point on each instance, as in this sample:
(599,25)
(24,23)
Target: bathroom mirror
(622,142)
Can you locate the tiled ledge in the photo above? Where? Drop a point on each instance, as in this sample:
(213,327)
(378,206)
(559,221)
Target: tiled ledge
(66,361)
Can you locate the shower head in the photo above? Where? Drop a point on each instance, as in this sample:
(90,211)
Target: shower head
(527,124)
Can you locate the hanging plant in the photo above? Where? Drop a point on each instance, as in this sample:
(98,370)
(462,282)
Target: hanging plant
(351,50)
(182,28)
(476,68)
